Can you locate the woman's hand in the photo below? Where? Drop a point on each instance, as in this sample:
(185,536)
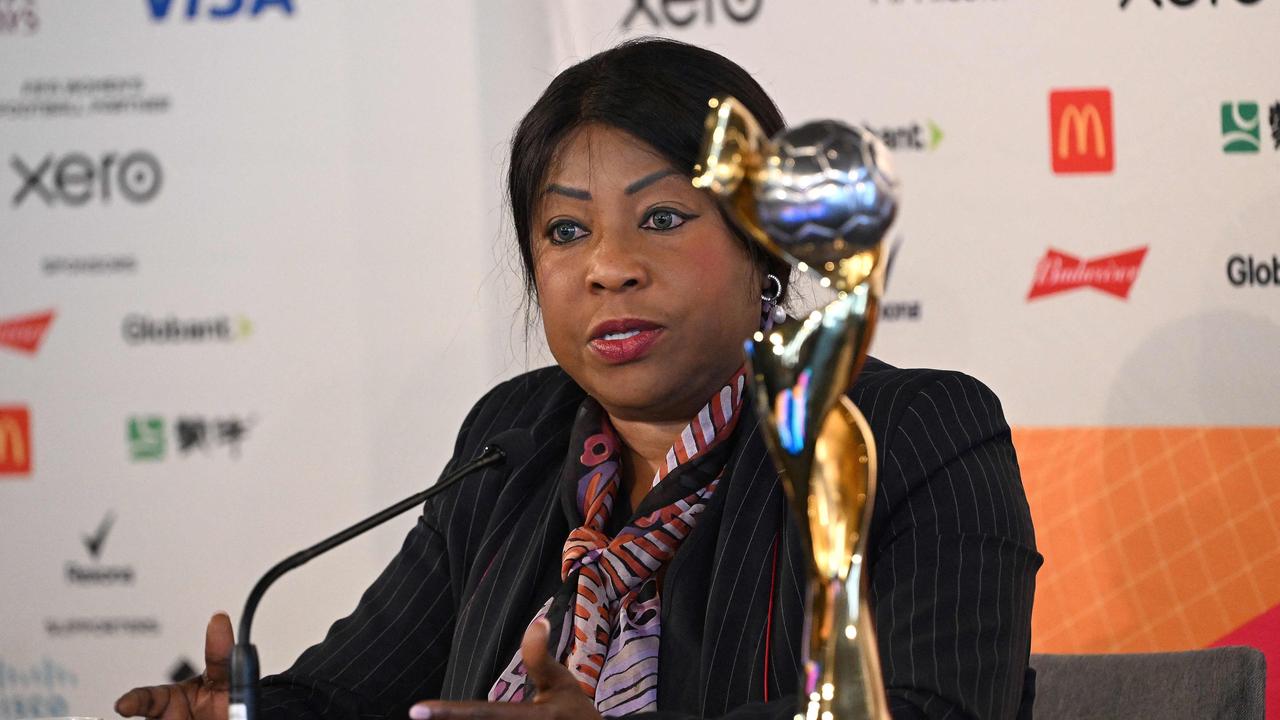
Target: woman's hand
(203,697)
(558,695)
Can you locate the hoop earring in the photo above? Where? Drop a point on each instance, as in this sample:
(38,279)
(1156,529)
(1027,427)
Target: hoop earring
(771,312)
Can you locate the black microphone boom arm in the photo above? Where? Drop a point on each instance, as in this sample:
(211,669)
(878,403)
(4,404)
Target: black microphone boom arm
(244,656)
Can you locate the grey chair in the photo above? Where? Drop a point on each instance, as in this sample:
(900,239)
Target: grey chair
(1226,682)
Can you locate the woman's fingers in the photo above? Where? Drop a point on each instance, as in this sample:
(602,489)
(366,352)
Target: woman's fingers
(218,641)
(545,673)
(534,652)
(134,702)
(477,710)
(177,702)
(152,702)
(558,692)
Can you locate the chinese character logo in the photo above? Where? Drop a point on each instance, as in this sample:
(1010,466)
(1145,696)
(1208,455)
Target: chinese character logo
(1241,127)
(1081,131)
(146,438)
(1275,124)
(1112,274)
(19,17)
(15,441)
(25,333)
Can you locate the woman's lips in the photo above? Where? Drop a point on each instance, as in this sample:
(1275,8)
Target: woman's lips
(625,346)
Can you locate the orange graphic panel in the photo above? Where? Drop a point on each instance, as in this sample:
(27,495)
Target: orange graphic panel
(1154,538)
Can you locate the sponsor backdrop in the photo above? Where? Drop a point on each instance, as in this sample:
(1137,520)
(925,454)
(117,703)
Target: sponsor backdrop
(254,270)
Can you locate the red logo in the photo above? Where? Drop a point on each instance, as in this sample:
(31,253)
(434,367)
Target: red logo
(1080,131)
(15,441)
(1113,274)
(25,333)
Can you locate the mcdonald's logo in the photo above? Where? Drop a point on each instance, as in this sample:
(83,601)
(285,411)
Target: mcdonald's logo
(1081,139)
(15,441)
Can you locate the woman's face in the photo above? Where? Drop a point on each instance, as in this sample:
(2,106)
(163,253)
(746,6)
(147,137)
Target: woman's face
(646,295)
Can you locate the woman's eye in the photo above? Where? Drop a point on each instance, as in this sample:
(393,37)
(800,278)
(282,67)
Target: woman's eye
(663,220)
(565,232)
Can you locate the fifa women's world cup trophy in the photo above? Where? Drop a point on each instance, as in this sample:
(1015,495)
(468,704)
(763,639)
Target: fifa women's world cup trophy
(822,197)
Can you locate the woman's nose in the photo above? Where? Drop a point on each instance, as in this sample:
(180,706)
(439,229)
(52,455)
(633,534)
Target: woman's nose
(617,263)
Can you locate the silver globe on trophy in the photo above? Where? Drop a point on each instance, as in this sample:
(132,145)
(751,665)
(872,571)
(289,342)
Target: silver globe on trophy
(820,196)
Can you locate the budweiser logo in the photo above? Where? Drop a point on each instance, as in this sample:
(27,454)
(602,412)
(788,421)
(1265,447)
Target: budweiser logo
(25,333)
(1113,274)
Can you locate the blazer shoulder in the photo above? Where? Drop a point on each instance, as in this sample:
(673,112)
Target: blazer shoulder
(884,393)
(524,416)
(535,400)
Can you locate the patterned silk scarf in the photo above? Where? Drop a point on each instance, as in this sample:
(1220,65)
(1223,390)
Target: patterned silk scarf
(610,634)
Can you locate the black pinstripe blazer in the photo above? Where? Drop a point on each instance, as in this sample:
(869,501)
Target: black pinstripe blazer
(952,556)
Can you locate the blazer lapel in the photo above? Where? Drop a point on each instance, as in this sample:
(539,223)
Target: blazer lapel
(516,566)
(733,595)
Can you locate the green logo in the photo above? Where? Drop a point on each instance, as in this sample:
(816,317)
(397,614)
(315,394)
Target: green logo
(1241,127)
(935,135)
(146,438)
(912,137)
(147,435)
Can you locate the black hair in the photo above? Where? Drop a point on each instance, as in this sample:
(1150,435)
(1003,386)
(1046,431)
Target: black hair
(654,89)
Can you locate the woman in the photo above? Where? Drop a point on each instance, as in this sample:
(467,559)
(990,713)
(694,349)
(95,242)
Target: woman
(692,604)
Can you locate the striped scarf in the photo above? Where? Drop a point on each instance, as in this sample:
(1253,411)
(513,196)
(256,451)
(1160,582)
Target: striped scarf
(610,634)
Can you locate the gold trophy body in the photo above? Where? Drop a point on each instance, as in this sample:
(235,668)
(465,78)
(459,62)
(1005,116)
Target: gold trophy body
(821,197)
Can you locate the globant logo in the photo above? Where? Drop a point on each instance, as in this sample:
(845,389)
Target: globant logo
(923,136)
(26,332)
(1112,274)
(683,13)
(75,179)
(1248,271)
(144,330)
(227,9)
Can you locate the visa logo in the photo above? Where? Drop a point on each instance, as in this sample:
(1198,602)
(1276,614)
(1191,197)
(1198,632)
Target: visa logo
(191,9)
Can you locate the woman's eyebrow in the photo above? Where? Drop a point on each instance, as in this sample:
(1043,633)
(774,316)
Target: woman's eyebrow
(632,189)
(574,193)
(648,180)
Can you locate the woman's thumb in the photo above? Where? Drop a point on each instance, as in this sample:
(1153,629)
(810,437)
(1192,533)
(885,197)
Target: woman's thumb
(543,670)
(218,641)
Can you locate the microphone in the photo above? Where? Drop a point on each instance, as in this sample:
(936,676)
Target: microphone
(244,656)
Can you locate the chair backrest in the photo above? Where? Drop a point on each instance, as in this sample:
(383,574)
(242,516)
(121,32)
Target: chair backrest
(1227,682)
